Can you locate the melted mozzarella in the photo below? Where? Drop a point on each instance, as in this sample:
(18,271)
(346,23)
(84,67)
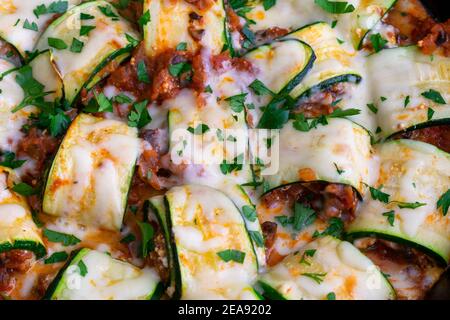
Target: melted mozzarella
(338,266)
(410,171)
(341,143)
(16,222)
(13,16)
(108,37)
(106,279)
(92,171)
(205,222)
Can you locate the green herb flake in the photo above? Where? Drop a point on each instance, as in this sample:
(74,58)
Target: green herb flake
(377,194)
(142,72)
(76,46)
(317,277)
(56,43)
(390,215)
(378,42)
(57,257)
(232,255)
(303,217)
(65,239)
(199,130)
(249,213)
(147,233)
(444,202)
(434,96)
(237,102)
(9,161)
(83,268)
(139,116)
(339,7)
(24,189)
(84,30)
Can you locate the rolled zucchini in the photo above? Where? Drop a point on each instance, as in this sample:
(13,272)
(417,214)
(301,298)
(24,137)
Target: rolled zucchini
(211,142)
(339,152)
(93,275)
(81,47)
(281,65)
(415,176)
(416,88)
(175,22)
(13,112)
(293,14)
(212,250)
(92,171)
(22,27)
(326,268)
(333,62)
(17,229)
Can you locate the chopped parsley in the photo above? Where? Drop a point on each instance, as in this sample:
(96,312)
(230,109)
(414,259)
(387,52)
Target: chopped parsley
(307,253)
(56,257)
(390,215)
(232,255)
(84,30)
(444,202)
(331,296)
(434,96)
(267,4)
(139,116)
(178,69)
(260,88)
(104,104)
(339,171)
(63,238)
(76,46)
(430,114)
(199,130)
(378,42)
(182,46)
(30,25)
(372,108)
(56,43)
(236,165)
(379,195)
(237,102)
(83,268)
(409,205)
(338,7)
(147,233)
(24,189)
(142,72)
(317,277)
(303,217)
(54,7)
(9,161)
(249,213)
(335,228)
(407,100)
(144,19)
(108,12)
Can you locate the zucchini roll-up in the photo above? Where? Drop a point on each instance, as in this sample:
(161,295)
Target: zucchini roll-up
(91,172)
(94,275)
(17,229)
(173,22)
(83,41)
(23,22)
(210,251)
(326,268)
(408,204)
(416,88)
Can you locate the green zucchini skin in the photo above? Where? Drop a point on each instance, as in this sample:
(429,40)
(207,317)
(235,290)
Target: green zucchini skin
(269,292)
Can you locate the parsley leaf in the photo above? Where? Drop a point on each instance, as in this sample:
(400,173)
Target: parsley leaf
(57,257)
(331,296)
(226,168)
(76,46)
(144,19)
(377,194)
(237,102)
(178,69)
(142,72)
(104,104)
(434,96)
(232,255)
(430,113)
(83,268)
(108,11)
(64,238)
(56,43)
(260,88)
(267,4)
(378,42)
(317,277)
(390,215)
(24,189)
(249,213)
(407,100)
(9,162)
(372,108)
(335,228)
(339,171)
(147,233)
(444,202)
(308,253)
(182,46)
(30,26)
(410,205)
(335,6)
(199,130)
(84,30)
(303,217)
(139,116)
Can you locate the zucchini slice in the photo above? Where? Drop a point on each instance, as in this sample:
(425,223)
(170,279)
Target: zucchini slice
(323,267)
(206,223)
(333,62)
(21,27)
(78,64)
(411,172)
(92,171)
(175,22)
(402,75)
(11,95)
(17,229)
(224,138)
(339,152)
(293,14)
(94,275)
(282,64)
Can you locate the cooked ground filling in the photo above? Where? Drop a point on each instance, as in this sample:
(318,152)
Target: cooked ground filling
(438,136)
(411,272)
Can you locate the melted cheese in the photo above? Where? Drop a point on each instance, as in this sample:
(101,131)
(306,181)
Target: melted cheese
(410,171)
(106,279)
(339,267)
(205,222)
(16,223)
(406,72)
(314,155)
(91,173)
(170,24)
(14,14)
(108,37)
